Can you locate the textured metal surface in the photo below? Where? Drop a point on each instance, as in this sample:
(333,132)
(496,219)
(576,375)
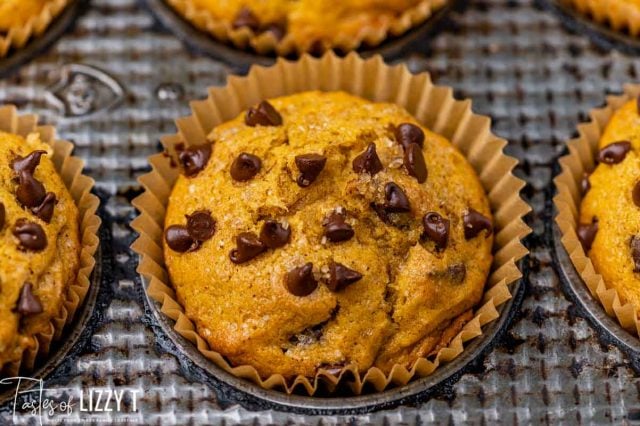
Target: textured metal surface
(519,65)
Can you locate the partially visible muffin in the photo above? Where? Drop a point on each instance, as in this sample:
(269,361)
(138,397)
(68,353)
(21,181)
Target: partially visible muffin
(622,15)
(320,230)
(39,243)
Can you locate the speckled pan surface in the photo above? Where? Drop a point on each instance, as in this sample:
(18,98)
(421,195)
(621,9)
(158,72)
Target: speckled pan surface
(116,82)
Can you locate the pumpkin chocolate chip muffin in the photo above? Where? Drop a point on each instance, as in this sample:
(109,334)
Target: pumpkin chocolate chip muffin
(39,243)
(609,227)
(320,229)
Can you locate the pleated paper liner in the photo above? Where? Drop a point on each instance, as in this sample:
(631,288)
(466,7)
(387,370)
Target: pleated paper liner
(618,14)
(372,79)
(18,35)
(266,43)
(581,159)
(79,186)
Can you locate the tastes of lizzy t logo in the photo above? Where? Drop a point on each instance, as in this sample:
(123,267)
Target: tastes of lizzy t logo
(59,405)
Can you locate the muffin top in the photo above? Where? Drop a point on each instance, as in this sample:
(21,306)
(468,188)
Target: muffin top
(610,213)
(18,12)
(321,230)
(39,245)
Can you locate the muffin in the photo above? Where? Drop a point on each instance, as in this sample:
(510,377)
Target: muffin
(287,26)
(321,230)
(620,14)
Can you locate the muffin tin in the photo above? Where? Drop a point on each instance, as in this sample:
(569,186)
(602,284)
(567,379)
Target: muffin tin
(519,65)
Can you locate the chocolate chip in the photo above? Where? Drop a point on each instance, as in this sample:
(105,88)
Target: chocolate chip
(28,303)
(310,166)
(407,134)
(436,228)
(29,163)
(587,233)
(414,162)
(396,200)
(30,192)
(45,210)
(246,18)
(474,223)
(336,229)
(194,159)
(245,167)
(248,247)
(179,240)
(273,234)
(263,115)
(3,216)
(636,194)
(201,226)
(340,276)
(635,252)
(614,153)
(30,235)
(300,281)
(457,273)
(368,161)
(585,185)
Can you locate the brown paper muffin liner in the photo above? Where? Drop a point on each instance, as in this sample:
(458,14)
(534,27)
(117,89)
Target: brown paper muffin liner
(79,186)
(266,42)
(581,159)
(18,35)
(618,14)
(372,79)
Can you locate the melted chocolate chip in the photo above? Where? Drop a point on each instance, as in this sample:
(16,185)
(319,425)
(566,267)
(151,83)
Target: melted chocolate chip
(179,240)
(368,161)
(336,229)
(635,252)
(3,216)
(248,247)
(246,18)
(587,233)
(474,223)
(614,153)
(300,281)
(407,134)
(263,115)
(585,185)
(194,159)
(340,276)
(28,303)
(636,194)
(45,210)
(29,163)
(457,273)
(245,167)
(310,166)
(30,192)
(436,228)
(273,234)
(414,162)
(30,235)
(201,226)
(396,200)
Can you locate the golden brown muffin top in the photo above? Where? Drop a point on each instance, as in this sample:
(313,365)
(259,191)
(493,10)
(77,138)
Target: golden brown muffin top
(39,246)
(15,13)
(298,239)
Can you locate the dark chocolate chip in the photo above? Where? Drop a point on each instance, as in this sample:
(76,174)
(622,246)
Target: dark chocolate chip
(457,273)
(300,281)
(585,185)
(29,163)
(30,235)
(310,166)
(45,210)
(3,216)
(474,223)
(201,226)
(587,233)
(436,228)
(635,252)
(28,303)
(407,133)
(414,162)
(614,153)
(368,161)
(263,115)
(246,18)
(636,194)
(336,229)
(396,200)
(245,167)
(273,234)
(30,192)
(340,276)
(179,240)
(194,159)
(248,247)
(381,212)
